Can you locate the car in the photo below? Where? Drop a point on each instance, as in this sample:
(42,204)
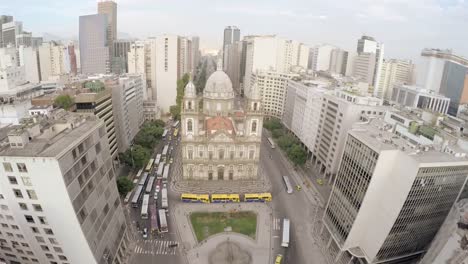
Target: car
(135,181)
(165,186)
(158,188)
(145,233)
(158,182)
(170,138)
(278,259)
(298,187)
(155,196)
(171,160)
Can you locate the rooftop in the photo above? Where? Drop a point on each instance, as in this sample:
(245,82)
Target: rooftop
(216,123)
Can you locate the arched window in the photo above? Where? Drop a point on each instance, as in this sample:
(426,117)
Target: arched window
(189,126)
(254,126)
(255,105)
(189,105)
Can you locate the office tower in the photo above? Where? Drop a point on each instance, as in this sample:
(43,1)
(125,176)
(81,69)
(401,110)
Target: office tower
(394,72)
(109,8)
(94,52)
(232,64)
(341,109)
(72,56)
(446,73)
(367,44)
(3,19)
(127,104)
(394,188)
(53,60)
(303,58)
(338,61)
(96,99)
(36,42)
(364,67)
(195,51)
(9,32)
(29,59)
(184,56)
(321,57)
(73,215)
(231,35)
(302,109)
(120,56)
(167,71)
(24,39)
(418,97)
(272,88)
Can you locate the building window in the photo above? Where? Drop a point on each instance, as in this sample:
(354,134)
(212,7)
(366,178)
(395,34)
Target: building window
(35,229)
(12,180)
(7,167)
(231,154)
(32,194)
(26,181)
(48,231)
(210,155)
(18,193)
(37,207)
(21,167)
(189,105)
(29,219)
(190,154)
(255,106)
(251,154)
(221,154)
(254,126)
(23,206)
(189,126)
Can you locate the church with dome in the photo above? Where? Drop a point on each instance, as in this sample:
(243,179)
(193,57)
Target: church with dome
(221,132)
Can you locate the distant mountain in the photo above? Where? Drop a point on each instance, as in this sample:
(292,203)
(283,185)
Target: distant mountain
(48,37)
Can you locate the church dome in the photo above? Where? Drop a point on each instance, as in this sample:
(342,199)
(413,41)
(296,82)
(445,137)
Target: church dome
(219,86)
(190,90)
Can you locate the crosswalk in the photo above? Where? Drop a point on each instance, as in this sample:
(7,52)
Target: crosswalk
(276,223)
(156,247)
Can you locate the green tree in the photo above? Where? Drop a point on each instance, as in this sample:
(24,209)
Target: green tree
(136,156)
(276,133)
(297,155)
(64,101)
(272,124)
(124,185)
(158,123)
(175,112)
(285,142)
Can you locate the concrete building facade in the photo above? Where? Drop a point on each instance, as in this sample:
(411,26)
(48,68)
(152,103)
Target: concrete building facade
(417,97)
(94,49)
(395,72)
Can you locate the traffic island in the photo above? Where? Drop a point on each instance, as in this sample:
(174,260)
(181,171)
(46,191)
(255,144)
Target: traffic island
(206,224)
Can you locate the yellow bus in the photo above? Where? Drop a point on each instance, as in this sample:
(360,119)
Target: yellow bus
(257,197)
(176,131)
(195,198)
(225,198)
(150,165)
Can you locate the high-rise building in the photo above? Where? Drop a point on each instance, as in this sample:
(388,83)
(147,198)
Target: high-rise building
(446,73)
(395,72)
(29,59)
(109,8)
(127,104)
(120,56)
(364,67)
(72,56)
(367,44)
(232,64)
(303,56)
(36,42)
(341,109)
(94,49)
(24,39)
(397,181)
(53,60)
(272,88)
(321,57)
(74,215)
(418,97)
(338,61)
(231,36)
(184,56)
(195,51)
(3,19)
(9,32)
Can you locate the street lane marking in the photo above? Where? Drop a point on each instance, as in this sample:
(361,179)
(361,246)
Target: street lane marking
(156,247)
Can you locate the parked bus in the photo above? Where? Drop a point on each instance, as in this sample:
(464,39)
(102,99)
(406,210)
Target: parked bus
(154,219)
(137,196)
(127,197)
(164,135)
(272,143)
(257,197)
(150,165)
(160,171)
(225,198)
(162,221)
(176,124)
(139,173)
(289,188)
(164,202)
(157,160)
(285,238)
(195,198)
(166,173)
(176,132)
(150,184)
(164,152)
(144,207)
(143,179)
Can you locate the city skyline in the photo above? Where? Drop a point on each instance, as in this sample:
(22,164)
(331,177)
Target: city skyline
(419,24)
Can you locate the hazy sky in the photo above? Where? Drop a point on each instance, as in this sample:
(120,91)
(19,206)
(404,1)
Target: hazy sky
(404,26)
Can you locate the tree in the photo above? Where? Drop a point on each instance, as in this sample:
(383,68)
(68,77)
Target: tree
(136,156)
(297,155)
(285,142)
(175,112)
(158,123)
(124,185)
(64,101)
(272,124)
(276,133)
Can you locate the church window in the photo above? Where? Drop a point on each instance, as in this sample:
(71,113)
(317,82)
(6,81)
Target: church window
(189,126)
(189,105)
(251,154)
(221,154)
(255,105)
(254,126)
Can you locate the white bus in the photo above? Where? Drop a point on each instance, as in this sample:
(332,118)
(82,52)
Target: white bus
(143,179)
(288,184)
(162,221)
(164,134)
(159,173)
(139,173)
(166,173)
(164,202)
(164,152)
(127,197)
(150,165)
(137,196)
(149,186)
(176,124)
(285,238)
(144,207)
(272,143)
(157,160)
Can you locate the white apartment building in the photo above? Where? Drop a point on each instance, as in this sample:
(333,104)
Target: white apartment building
(340,111)
(364,67)
(321,57)
(139,62)
(417,97)
(167,70)
(338,61)
(184,56)
(303,58)
(272,87)
(58,197)
(53,60)
(28,57)
(390,196)
(367,44)
(302,109)
(127,104)
(395,72)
